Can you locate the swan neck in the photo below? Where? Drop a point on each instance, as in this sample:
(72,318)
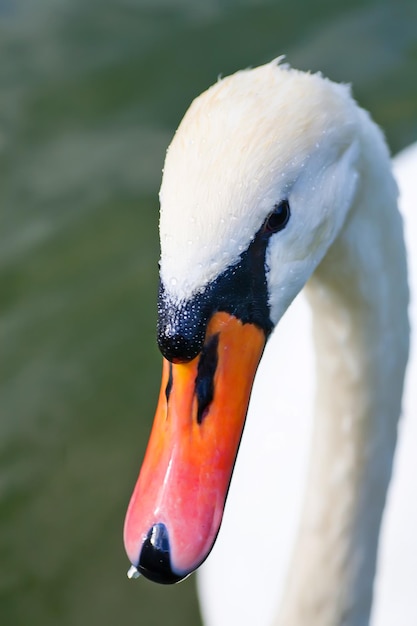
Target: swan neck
(359,299)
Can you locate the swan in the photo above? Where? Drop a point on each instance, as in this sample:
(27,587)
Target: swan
(280,232)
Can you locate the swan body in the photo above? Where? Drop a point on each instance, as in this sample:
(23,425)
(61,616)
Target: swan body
(276,184)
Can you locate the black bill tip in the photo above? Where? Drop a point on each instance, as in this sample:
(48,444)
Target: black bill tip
(155,559)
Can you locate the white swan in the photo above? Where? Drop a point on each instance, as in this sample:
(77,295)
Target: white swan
(276,178)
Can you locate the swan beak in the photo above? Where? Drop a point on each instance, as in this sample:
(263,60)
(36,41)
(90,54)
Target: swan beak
(177,505)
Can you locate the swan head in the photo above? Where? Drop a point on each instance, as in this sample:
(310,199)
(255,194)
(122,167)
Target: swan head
(252,141)
(257,184)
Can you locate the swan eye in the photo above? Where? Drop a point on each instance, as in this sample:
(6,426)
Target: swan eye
(278,218)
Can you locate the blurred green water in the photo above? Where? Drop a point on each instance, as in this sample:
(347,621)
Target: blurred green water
(90,94)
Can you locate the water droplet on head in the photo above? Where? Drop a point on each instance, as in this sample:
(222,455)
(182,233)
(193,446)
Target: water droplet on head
(173,282)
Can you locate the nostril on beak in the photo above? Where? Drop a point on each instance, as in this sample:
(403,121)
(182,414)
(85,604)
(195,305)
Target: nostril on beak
(155,557)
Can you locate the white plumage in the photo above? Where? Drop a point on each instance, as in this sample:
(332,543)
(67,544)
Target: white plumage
(249,141)
(232,588)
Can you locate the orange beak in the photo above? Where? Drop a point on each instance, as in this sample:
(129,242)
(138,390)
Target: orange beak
(177,505)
